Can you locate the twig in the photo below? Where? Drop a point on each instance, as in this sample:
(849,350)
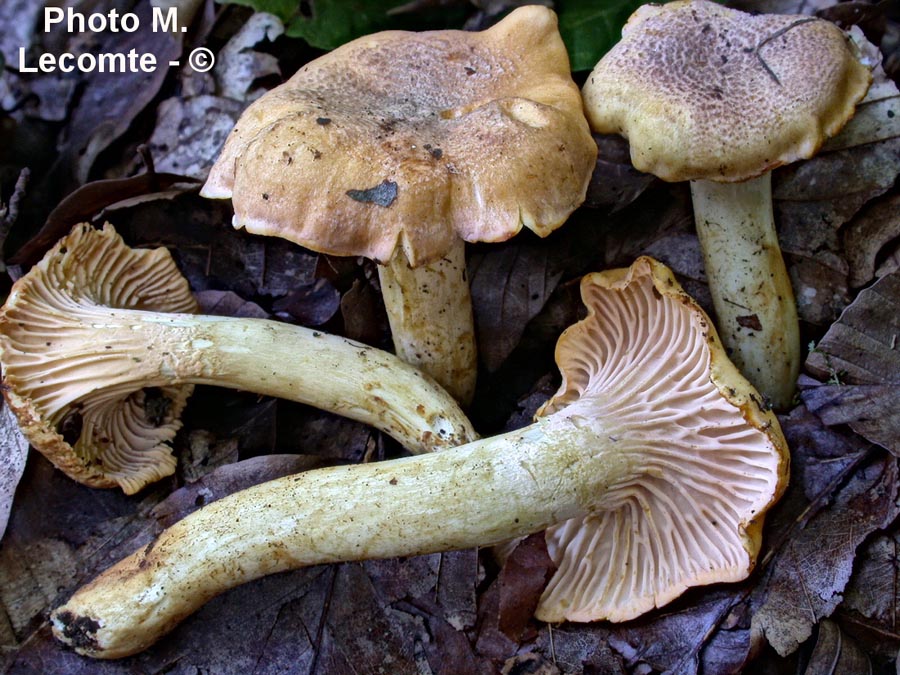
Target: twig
(771,37)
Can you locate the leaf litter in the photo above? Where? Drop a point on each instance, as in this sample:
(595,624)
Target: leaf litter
(824,595)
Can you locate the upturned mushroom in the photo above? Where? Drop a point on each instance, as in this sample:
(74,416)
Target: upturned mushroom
(654,463)
(400,147)
(100,349)
(720,98)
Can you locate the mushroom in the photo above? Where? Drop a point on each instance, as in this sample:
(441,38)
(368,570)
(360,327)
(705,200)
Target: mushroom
(100,350)
(654,462)
(720,98)
(399,147)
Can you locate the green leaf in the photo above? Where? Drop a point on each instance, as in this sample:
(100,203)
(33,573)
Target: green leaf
(285,10)
(326,24)
(590,28)
(331,23)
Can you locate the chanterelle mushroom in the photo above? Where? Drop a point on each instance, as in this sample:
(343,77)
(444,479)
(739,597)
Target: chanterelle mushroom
(719,97)
(656,451)
(401,146)
(100,351)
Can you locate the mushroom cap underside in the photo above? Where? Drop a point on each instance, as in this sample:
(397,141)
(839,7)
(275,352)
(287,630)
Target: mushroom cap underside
(412,140)
(710,458)
(702,91)
(76,400)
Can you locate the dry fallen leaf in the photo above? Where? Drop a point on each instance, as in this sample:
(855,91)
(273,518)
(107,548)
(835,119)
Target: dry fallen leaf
(836,653)
(13,453)
(509,288)
(814,199)
(871,604)
(814,558)
(190,133)
(868,234)
(239,66)
(310,305)
(430,614)
(859,362)
(615,183)
(228,303)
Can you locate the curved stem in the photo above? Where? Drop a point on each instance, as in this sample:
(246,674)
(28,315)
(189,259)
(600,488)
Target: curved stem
(484,492)
(135,349)
(749,283)
(430,312)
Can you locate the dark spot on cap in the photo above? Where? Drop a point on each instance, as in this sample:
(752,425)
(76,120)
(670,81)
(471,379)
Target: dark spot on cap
(382,194)
(323,121)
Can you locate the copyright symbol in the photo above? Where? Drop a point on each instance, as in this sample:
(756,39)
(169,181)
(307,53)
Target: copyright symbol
(201,59)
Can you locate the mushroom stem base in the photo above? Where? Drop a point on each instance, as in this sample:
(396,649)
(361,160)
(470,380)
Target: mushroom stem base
(430,312)
(749,283)
(485,492)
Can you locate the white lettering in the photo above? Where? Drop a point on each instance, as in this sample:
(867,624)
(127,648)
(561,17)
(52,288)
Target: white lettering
(167,22)
(76,22)
(52,15)
(130,22)
(105,62)
(23,68)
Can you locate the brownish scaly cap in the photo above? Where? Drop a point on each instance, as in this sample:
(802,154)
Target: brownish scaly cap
(708,459)
(62,384)
(702,91)
(414,139)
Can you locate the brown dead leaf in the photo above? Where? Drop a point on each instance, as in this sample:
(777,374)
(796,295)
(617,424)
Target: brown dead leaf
(615,183)
(108,105)
(865,236)
(212,254)
(836,653)
(814,198)
(522,581)
(673,640)
(870,410)
(813,564)
(871,604)
(363,312)
(859,360)
(531,663)
(310,305)
(229,303)
(88,201)
(190,133)
(204,453)
(817,202)
(820,284)
(581,648)
(509,288)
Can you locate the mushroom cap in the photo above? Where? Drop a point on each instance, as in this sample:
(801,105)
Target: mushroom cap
(702,91)
(708,459)
(75,399)
(414,139)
